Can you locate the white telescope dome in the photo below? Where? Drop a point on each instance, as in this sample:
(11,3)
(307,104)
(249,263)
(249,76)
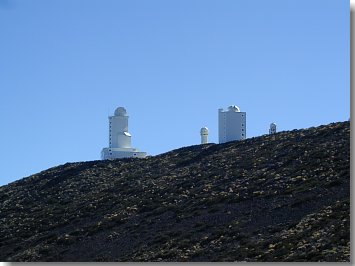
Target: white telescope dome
(272,129)
(120,138)
(234,108)
(204,131)
(120,111)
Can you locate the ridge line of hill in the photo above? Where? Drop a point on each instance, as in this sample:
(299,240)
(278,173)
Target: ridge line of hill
(281,197)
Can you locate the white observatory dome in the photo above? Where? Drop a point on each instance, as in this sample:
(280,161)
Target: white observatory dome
(204,131)
(120,111)
(234,108)
(272,129)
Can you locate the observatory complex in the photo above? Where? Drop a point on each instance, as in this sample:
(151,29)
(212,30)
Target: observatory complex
(119,138)
(231,124)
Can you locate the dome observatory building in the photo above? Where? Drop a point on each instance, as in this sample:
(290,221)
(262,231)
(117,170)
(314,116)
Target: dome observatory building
(119,138)
(204,135)
(231,124)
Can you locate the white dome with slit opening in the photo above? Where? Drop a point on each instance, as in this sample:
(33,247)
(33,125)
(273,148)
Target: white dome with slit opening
(234,108)
(120,111)
(204,131)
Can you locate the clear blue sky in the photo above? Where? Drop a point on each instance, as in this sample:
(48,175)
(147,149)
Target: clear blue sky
(65,65)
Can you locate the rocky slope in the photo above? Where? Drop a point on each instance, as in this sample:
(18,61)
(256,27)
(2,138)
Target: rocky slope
(283,197)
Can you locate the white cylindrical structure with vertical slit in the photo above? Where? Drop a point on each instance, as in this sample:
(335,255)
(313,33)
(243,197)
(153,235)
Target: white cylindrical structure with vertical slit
(272,129)
(204,135)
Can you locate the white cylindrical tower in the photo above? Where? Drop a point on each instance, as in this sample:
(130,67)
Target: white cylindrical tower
(119,138)
(272,129)
(204,135)
(119,135)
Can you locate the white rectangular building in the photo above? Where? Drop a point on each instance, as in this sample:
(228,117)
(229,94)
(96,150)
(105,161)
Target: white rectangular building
(231,124)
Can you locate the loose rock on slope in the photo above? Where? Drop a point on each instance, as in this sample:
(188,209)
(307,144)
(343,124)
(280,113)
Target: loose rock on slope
(282,197)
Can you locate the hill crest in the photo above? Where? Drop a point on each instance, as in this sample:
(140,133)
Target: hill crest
(282,197)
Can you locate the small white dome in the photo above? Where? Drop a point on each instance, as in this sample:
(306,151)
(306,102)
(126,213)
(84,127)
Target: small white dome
(234,108)
(272,125)
(204,131)
(120,111)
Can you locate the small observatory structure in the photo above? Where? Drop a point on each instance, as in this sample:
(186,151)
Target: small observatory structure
(231,124)
(204,135)
(120,138)
(272,129)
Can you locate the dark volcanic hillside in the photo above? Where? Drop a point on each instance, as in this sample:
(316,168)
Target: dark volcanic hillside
(272,198)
